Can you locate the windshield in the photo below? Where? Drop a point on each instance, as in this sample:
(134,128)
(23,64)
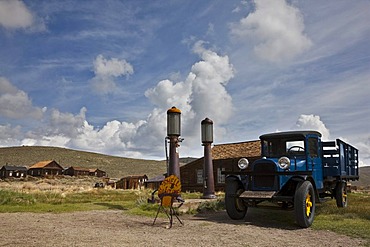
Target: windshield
(283,147)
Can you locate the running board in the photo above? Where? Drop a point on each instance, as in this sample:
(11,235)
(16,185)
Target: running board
(257,194)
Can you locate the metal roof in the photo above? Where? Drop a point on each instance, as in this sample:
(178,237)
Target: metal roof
(302,133)
(15,168)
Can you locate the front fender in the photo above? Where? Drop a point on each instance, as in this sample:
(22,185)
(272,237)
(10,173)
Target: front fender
(240,178)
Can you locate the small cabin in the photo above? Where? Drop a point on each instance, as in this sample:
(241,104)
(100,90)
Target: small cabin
(8,171)
(45,168)
(132,182)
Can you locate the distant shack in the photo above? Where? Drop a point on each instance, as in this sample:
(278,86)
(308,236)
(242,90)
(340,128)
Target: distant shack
(8,171)
(45,168)
(77,171)
(97,173)
(132,182)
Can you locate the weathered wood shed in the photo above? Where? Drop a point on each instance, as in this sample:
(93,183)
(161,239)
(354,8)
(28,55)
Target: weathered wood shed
(45,168)
(97,173)
(154,183)
(77,171)
(225,158)
(132,182)
(8,171)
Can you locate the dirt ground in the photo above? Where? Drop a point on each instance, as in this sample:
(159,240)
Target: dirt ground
(116,228)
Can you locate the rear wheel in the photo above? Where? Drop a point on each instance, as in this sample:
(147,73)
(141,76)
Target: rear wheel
(341,194)
(235,207)
(304,204)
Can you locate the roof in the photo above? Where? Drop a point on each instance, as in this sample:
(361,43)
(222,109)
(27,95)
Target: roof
(159,178)
(95,170)
(15,168)
(290,133)
(236,150)
(76,168)
(135,176)
(43,164)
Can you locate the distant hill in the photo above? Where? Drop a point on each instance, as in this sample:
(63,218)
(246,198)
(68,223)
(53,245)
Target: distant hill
(115,167)
(364,177)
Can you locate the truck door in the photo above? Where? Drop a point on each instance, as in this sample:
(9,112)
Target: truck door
(314,160)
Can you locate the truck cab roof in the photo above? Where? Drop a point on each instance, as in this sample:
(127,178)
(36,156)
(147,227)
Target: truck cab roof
(292,134)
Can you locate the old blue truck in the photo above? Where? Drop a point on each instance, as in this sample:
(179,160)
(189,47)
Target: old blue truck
(296,170)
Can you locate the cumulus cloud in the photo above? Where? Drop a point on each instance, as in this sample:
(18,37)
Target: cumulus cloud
(106,71)
(275,28)
(313,122)
(364,150)
(15,103)
(14,14)
(202,94)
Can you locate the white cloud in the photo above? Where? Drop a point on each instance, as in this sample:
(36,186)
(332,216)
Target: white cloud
(313,122)
(202,94)
(14,14)
(66,123)
(106,71)
(9,135)
(276,30)
(15,103)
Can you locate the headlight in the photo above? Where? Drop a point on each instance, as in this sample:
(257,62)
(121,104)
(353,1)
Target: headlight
(243,163)
(284,163)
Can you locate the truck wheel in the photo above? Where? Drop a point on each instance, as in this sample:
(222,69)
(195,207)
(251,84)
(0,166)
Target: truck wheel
(235,207)
(304,204)
(341,194)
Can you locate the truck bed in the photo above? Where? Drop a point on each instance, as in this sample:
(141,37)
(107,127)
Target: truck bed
(340,160)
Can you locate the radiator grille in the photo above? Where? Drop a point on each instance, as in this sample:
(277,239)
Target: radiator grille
(264,181)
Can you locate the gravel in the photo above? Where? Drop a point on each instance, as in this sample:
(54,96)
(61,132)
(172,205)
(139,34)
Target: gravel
(117,228)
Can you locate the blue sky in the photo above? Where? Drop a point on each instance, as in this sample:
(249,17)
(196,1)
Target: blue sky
(100,75)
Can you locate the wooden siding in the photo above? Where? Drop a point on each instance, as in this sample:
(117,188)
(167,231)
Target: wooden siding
(225,157)
(77,171)
(45,168)
(131,182)
(13,171)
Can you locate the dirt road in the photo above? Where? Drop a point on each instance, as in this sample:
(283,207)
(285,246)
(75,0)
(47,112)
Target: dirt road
(116,228)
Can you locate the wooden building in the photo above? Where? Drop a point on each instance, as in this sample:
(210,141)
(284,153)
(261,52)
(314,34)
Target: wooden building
(154,183)
(77,171)
(97,173)
(13,171)
(132,182)
(45,168)
(225,158)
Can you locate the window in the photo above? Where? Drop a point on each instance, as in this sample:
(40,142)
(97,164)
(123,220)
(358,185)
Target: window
(313,147)
(220,176)
(199,176)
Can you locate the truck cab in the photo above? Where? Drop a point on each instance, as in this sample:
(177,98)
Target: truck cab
(296,170)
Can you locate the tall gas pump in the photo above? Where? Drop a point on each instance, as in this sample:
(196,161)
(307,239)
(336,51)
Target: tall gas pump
(207,139)
(173,136)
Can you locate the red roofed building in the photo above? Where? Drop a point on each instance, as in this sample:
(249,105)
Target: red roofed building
(45,168)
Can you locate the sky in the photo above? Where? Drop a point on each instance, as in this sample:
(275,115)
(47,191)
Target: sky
(100,76)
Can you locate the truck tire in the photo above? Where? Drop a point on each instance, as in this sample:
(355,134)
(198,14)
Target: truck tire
(304,204)
(341,194)
(235,207)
